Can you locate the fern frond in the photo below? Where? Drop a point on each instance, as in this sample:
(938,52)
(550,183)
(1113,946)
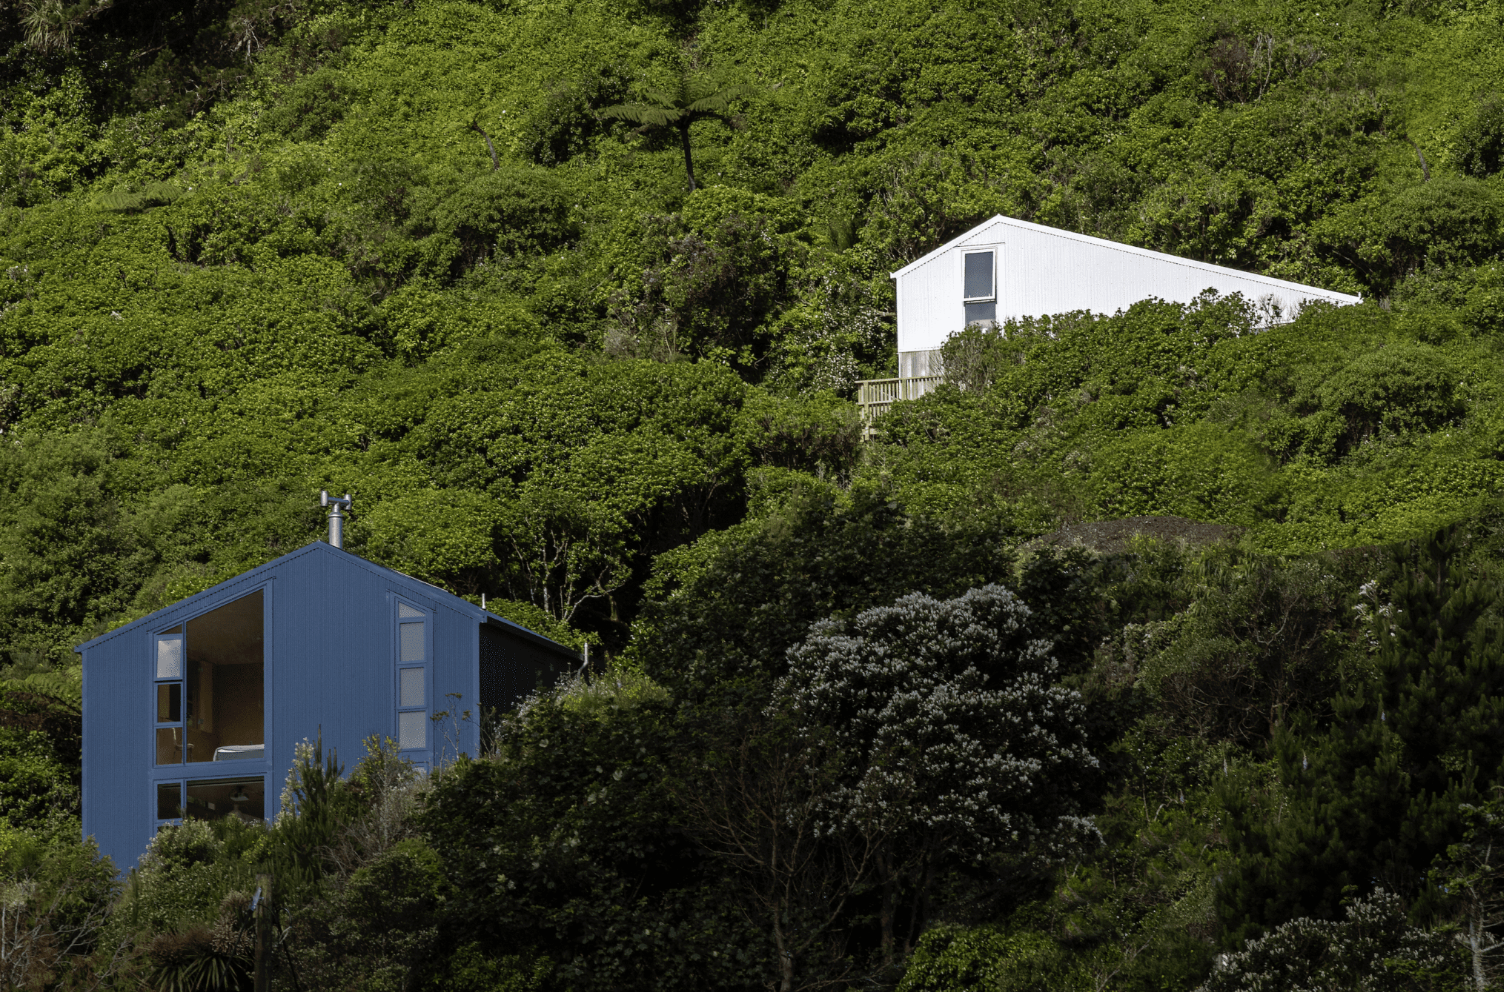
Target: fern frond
(158,194)
(152,195)
(119,201)
(641,113)
(719,101)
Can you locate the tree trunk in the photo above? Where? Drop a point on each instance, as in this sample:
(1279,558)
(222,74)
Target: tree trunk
(689,164)
(1475,944)
(785,959)
(885,917)
(262,976)
(495,160)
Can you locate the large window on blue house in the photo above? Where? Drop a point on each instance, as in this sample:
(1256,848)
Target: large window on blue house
(209,713)
(412,678)
(212,799)
(210,686)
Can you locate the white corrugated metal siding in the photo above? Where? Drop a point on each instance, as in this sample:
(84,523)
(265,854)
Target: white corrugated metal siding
(1043,270)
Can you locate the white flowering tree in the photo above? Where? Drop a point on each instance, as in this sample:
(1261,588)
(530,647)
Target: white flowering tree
(1374,949)
(959,741)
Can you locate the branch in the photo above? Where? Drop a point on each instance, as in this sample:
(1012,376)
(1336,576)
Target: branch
(495,161)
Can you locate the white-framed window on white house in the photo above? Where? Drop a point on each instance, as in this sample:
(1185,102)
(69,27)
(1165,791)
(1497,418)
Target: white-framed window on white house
(412,678)
(979,285)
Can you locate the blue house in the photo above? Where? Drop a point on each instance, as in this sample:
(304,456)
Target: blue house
(198,707)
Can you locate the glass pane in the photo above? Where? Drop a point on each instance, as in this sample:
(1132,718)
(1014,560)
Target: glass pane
(979,275)
(169,800)
(412,729)
(977,313)
(225,698)
(405,612)
(215,799)
(170,702)
(170,746)
(169,657)
(412,687)
(412,641)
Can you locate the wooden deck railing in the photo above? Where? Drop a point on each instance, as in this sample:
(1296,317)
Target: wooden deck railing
(875,396)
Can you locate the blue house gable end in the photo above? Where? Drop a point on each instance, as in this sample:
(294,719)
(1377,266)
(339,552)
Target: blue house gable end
(199,707)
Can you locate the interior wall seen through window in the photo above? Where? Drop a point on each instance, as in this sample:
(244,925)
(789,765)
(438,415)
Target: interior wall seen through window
(225,706)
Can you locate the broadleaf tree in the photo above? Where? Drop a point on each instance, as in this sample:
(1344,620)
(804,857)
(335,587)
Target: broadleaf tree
(961,741)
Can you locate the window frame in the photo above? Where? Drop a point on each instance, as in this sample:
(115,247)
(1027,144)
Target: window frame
(414,754)
(245,768)
(994,251)
(179,633)
(182,781)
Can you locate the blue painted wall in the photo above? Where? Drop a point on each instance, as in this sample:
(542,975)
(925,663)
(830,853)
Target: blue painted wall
(330,666)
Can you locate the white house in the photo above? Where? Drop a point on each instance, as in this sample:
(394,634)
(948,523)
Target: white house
(1006,268)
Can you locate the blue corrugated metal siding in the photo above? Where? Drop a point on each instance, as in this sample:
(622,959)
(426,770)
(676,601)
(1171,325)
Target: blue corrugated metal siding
(335,645)
(117,811)
(330,665)
(455,669)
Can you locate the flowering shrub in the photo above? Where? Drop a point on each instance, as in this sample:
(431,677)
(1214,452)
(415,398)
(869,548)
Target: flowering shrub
(1373,950)
(954,712)
(956,741)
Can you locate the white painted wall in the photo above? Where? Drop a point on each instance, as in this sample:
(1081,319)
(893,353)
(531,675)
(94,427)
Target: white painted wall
(1043,270)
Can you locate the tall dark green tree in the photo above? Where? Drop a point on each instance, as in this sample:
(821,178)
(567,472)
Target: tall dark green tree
(1374,798)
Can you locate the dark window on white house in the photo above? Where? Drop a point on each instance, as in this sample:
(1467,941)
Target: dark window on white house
(979,279)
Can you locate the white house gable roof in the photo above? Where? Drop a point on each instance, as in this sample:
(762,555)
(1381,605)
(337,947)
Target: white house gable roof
(1037,271)
(986,233)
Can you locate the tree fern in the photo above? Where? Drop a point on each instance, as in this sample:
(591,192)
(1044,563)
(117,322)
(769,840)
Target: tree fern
(692,100)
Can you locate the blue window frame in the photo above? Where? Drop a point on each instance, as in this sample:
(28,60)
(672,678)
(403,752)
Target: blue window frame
(168,729)
(412,687)
(242,796)
(208,689)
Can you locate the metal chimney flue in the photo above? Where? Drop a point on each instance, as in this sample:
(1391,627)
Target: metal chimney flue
(336,518)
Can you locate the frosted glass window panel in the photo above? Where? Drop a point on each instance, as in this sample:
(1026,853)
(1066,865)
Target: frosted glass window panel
(169,657)
(405,612)
(411,688)
(979,276)
(412,729)
(411,641)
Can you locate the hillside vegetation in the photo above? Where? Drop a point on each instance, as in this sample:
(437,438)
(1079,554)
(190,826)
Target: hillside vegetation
(874,714)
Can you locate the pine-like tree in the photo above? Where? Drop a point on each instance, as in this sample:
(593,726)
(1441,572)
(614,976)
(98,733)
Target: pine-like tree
(1371,800)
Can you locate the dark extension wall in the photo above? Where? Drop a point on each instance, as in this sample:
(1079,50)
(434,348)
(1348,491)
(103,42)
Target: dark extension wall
(512,668)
